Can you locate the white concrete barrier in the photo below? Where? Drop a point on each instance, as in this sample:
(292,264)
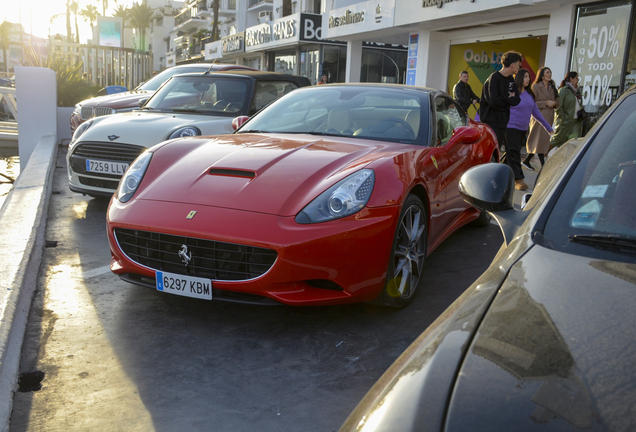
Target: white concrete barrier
(36,95)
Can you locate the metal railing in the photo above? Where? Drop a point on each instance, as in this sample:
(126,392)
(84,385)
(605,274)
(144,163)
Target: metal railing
(253,3)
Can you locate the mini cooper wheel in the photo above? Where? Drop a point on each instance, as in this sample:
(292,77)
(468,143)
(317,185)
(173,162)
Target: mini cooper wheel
(408,254)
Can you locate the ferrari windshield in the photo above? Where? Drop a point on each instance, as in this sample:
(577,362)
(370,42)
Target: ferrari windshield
(596,208)
(379,113)
(205,94)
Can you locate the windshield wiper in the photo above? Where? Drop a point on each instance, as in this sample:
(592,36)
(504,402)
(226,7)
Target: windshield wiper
(606,240)
(254,131)
(326,134)
(186,110)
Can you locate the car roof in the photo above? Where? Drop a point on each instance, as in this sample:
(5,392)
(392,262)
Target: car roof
(300,81)
(213,66)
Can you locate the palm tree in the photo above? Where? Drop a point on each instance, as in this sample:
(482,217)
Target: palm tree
(90,14)
(215,24)
(140,18)
(5,31)
(74,8)
(69,32)
(105,6)
(123,13)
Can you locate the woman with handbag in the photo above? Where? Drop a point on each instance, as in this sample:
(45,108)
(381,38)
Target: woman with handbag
(567,125)
(547,100)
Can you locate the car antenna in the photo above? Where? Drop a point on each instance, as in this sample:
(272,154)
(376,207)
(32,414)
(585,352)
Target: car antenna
(209,69)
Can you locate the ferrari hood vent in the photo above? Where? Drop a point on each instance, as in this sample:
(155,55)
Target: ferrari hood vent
(232,172)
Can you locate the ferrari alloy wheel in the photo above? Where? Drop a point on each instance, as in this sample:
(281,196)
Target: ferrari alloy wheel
(407,257)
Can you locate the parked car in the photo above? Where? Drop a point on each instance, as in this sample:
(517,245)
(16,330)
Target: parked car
(188,105)
(332,194)
(124,101)
(541,341)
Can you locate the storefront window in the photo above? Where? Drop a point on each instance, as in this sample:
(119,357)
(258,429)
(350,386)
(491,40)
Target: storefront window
(383,66)
(599,52)
(334,63)
(309,62)
(285,62)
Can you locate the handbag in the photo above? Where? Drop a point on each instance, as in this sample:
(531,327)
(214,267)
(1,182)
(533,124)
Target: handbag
(582,114)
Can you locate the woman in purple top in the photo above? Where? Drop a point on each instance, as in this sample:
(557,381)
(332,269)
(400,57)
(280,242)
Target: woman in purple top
(517,129)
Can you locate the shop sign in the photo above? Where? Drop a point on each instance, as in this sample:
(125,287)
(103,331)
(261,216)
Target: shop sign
(360,17)
(438,3)
(234,43)
(599,53)
(310,28)
(213,50)
(348,18)
(170,60)
(269,33)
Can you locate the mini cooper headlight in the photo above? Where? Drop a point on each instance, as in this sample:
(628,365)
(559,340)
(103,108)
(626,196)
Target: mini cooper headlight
(131,180)
(80,130)
(185,131)
(345,198)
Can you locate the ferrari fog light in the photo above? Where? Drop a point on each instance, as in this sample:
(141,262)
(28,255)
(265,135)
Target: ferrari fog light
(345,198)
(133,176)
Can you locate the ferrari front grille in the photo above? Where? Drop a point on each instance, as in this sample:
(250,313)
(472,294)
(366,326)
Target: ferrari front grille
(207,258)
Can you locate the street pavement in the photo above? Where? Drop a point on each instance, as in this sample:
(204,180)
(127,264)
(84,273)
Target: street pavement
(115,356)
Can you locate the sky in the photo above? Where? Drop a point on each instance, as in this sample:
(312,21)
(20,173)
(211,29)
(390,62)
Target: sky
(36,15)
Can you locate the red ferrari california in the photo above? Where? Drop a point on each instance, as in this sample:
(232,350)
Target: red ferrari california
(332,194)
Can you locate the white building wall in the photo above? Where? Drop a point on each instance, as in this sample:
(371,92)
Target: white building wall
(562,22)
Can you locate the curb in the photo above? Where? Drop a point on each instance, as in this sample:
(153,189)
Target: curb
(22,227)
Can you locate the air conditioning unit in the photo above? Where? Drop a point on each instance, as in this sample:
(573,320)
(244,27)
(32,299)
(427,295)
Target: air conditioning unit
(265,16)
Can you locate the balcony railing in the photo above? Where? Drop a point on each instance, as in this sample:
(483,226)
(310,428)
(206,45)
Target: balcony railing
(227,4)
(253,3)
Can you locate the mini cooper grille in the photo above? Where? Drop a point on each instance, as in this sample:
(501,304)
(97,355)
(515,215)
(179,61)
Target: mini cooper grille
(106,184)
(109,151)
(210,259)
(102,111)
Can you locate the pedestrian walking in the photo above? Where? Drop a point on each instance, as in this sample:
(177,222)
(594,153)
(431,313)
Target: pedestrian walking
(323,80)
(498,95)
(567,126)
(547,99)
(517,129)
(463,93)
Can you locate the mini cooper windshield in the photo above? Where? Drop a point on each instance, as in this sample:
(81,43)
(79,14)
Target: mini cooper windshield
(208,95)
(386,114)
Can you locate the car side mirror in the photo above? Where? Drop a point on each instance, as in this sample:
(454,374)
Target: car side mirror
(142,102)
(465,135)
(489,187)
(238,121)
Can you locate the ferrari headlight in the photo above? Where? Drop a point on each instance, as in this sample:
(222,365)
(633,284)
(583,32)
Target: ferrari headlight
(80,130)
(186,131)
(345,198)
(131,180)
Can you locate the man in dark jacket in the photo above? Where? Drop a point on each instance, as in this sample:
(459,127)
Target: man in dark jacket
(499,94)
(463,94)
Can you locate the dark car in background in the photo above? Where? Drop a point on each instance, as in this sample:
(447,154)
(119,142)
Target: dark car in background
(544,339)
(128,101)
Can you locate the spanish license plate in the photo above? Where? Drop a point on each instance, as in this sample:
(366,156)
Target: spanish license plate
(187,286)
(106,167)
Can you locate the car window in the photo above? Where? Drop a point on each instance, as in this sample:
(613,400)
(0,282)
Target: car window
(448,117)
(598,198)
(212,95)
(359,112)
(155,82)
(267,92)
